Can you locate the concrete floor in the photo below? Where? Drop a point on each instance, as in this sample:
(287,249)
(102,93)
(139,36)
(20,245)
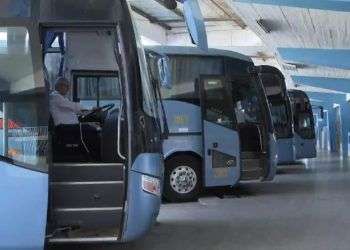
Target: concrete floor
(307,207)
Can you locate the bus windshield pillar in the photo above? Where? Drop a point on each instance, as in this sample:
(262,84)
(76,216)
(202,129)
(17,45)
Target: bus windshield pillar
(5,129)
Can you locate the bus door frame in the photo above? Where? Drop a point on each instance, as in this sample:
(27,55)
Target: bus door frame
(221,144)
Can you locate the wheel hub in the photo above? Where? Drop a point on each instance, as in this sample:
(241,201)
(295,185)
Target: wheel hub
(183,179)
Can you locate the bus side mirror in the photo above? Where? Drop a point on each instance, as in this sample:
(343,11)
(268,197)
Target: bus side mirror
(194,21)
(165,75)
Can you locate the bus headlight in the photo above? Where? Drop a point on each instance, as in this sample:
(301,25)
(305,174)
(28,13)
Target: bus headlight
(151,185)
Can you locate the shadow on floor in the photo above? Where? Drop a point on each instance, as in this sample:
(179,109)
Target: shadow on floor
(205,235)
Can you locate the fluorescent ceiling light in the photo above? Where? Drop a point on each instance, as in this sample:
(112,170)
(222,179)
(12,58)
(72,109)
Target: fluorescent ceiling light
(3,42)
(3,36)
(347,97)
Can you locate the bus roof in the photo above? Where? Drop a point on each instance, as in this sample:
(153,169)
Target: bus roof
(298,93)
(267,69)
(194,51)
(62,11)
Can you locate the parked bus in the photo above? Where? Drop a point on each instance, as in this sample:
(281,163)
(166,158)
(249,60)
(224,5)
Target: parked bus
(304,125)
(53,189)
(281,111)
(219,120)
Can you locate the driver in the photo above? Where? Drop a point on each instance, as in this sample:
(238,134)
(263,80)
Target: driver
(65,116)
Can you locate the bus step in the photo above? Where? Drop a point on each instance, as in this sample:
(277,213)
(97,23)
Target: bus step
(87,194)
(84,240)
(251,169)
(87,172)
(89,218)
(251,164)
(252,174)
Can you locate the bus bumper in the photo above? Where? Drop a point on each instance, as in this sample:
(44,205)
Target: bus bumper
(143,204)
(286,151)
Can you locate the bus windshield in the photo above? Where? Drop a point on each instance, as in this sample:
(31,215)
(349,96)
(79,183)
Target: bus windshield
(97,90)
(303,115)
(23,131)
(185,71)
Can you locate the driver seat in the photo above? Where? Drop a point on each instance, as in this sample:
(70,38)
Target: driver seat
(67,145)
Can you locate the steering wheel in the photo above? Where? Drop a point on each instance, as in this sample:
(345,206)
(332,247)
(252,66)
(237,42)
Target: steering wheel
(94,113)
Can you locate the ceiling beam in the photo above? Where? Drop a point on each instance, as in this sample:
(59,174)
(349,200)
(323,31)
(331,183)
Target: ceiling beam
(336,84)
(333,58)
(152,19)
(336,5)
(327,97)
(205,20)
(224,8)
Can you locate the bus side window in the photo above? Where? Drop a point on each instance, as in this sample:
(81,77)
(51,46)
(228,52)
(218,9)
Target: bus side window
(218,108)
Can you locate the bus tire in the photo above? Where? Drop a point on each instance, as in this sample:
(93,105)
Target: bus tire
(182,180)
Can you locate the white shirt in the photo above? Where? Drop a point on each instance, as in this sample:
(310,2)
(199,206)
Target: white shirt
(64,111)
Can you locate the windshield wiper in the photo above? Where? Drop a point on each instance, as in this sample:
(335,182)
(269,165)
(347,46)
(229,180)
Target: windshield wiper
(166,132)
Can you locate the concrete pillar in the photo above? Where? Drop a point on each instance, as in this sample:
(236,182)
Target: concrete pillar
(332,129)
(345,115)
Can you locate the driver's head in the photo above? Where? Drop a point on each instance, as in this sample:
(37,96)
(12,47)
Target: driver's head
(62,85)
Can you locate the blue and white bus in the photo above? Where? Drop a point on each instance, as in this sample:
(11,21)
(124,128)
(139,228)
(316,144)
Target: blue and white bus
(220,125)
(52,190)
(281,111)
(304,125)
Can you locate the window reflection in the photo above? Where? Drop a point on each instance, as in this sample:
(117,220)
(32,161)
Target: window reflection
(97,91)
(217,105)
(23,129)
(246,101)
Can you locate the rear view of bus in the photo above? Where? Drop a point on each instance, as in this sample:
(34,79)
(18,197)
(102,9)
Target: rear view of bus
(55,187)
(304,125)
(281,111)
(219,120)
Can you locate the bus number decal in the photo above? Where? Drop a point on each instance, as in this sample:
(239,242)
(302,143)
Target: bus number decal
(181,120)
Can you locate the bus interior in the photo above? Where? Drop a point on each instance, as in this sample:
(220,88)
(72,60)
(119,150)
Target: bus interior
(87,177)
(254,126)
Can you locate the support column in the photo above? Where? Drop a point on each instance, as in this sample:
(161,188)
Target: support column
(332,129)
(345,115)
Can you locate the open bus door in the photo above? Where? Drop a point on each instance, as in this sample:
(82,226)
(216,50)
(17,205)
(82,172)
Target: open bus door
(304,125)
(221,146)
(254,123)
(305,140)
(281,112)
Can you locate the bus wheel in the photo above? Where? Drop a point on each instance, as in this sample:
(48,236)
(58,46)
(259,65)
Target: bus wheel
(182,179)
